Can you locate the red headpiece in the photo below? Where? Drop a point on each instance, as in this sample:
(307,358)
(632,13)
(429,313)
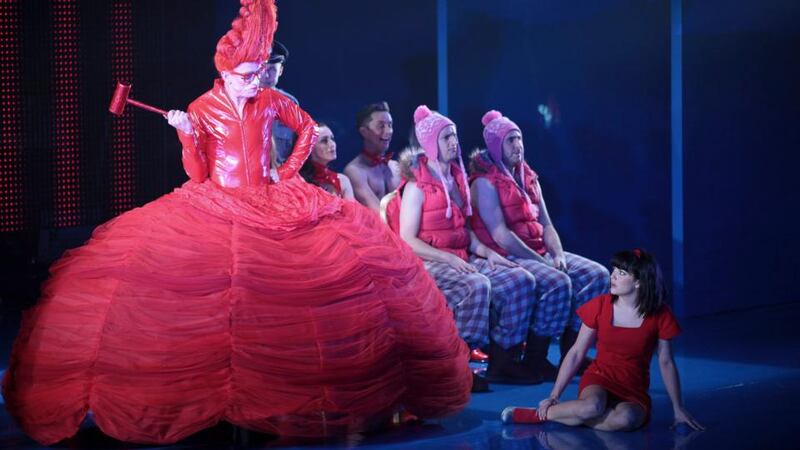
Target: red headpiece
(250,37)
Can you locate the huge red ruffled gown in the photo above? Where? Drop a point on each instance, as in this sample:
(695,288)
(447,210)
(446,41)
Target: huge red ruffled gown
(275,307)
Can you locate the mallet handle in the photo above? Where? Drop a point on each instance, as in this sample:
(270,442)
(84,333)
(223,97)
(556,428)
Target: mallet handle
(146,106)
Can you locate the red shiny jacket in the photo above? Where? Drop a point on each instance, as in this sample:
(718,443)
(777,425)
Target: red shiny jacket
(235,151)
(518,214)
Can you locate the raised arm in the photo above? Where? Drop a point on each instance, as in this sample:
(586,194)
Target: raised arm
(306,129)
(191,137)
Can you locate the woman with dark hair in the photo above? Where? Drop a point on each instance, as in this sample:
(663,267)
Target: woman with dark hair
(316,171)
(628,324)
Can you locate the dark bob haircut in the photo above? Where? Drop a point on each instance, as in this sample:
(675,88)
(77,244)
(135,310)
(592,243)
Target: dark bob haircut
(644,268)
(307,171)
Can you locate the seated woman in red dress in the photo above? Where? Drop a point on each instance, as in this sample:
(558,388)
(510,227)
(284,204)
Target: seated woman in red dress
(276,307)
(316,171)
(628,324)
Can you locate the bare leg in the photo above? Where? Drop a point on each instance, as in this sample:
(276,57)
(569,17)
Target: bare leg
(625,416)
(590,404)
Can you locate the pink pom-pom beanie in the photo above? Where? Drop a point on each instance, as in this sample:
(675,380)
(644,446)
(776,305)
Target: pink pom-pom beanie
(495,129)
(427,126)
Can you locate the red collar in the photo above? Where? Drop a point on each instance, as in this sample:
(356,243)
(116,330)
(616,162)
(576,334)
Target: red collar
(325,176)
(373,160)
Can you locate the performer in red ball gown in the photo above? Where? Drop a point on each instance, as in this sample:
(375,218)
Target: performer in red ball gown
(274,306)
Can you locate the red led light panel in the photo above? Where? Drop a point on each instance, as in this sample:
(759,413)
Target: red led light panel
(66,112)
(123,184)
(11,204)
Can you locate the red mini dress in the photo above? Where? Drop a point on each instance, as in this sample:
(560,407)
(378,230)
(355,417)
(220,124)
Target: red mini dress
(622,366)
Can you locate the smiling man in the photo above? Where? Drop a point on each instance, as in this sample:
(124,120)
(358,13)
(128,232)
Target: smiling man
(373,172)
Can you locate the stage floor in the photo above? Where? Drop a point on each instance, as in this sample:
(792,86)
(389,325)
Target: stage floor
(740,374)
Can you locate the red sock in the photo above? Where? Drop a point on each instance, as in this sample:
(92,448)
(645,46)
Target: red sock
(526,415)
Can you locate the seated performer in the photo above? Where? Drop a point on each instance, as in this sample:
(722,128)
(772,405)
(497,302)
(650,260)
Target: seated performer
(430,212)
(628,324)
(274,306)
(512,220)
(316,171)
(373,172)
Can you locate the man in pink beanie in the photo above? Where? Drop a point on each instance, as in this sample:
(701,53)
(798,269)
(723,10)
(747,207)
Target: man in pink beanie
(512,220)
(490,296)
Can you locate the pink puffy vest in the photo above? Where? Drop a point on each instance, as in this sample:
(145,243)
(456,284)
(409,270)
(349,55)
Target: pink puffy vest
(517,213)
(435,229)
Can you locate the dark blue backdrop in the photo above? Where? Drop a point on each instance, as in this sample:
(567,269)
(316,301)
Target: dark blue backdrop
(605,166)
(741,110)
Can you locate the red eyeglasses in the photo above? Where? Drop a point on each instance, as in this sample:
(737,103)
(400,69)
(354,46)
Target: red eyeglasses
(248,78)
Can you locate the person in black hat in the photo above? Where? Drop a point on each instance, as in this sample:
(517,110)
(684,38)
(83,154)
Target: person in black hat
(282,137)
(273,69)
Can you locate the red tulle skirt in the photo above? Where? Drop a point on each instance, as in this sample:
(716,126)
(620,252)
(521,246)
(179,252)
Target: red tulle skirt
(281,309)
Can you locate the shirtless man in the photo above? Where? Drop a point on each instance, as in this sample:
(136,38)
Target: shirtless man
(373,172)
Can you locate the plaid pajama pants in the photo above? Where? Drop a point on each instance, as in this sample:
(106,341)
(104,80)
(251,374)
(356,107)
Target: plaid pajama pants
(495,302)
(559,294)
